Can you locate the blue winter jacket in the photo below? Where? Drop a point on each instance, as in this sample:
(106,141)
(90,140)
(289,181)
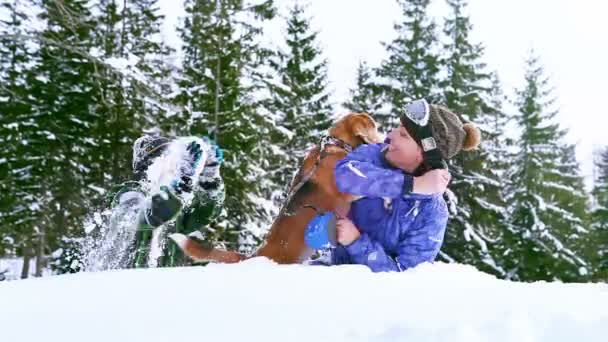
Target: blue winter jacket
(398,230)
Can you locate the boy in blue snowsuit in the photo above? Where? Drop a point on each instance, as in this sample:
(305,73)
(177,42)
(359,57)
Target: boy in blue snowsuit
(401,221)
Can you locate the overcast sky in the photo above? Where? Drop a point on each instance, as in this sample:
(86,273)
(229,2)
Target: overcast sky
(569,36)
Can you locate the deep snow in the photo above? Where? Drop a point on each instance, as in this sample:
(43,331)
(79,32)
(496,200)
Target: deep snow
(260,301)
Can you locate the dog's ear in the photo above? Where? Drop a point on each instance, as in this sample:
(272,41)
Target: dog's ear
(362,130)
(364,137)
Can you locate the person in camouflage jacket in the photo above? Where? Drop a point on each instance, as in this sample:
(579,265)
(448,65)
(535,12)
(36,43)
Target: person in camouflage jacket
(167,207)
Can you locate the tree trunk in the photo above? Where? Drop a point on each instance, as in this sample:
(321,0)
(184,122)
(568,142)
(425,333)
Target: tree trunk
(40,251)
(218,81)
(27,256)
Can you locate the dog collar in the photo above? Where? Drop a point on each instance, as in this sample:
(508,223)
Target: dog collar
(327,140)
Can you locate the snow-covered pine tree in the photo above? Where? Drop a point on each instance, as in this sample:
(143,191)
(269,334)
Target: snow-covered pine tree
(600,185)
(65,93)
(221,57)
(468,90)
(20,173)
(498,146)
(467,83)
(150,75)
(411,70)
(299,95)
(132,81)
(570,195)
(495,123)
(538,240)
(366,97)
(598,236)
(111,155)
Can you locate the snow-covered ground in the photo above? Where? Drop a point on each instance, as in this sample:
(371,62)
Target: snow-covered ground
(12,269)
(259,301)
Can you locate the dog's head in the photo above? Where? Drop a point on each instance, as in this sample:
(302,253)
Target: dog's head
(356,129)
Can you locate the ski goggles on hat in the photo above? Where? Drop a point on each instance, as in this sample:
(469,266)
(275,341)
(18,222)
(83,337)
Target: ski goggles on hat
(418,112)
(416,118)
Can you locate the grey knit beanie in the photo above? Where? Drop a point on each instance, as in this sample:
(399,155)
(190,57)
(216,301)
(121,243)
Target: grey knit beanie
(450,135)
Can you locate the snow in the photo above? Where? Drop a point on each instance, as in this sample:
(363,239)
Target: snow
(99,190)
(174,163)
(122,64)
(34,207)
(92,223)
(13,125)
(263,203)
(259,301)
(50,135)
(11,269)
(558,186)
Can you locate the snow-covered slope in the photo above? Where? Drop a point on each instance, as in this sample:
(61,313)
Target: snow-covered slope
(260,301)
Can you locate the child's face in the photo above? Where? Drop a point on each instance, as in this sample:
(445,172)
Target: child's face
(403,152)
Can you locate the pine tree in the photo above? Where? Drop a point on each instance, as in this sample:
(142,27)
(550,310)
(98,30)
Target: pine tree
(468,84)
(496,121)
(598,237)
(133,96)
(539,239)
(221,59)
(569,188)
(300,99)
(366,97)
(65,93)
(411,70)
(148,86)
(110,162)
(474,231)
(20,172)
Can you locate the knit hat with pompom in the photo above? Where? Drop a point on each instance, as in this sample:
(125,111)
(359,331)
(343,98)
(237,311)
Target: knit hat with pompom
(450,134)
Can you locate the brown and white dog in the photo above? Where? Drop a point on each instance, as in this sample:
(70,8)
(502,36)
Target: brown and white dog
(314,185)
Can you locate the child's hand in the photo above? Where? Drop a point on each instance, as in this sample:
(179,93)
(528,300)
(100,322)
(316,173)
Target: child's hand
(433,182)
(346,231)
(195,151)
(184,184)
(162,207)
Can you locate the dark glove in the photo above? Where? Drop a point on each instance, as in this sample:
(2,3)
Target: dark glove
(196,152)
(184,184)
(163,207)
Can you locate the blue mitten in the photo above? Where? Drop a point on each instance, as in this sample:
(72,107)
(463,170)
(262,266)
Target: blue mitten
(321,231)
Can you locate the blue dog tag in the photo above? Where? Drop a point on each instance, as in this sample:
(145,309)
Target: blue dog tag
(321,231)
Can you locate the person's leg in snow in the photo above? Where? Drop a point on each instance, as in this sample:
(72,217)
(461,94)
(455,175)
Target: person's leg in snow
(143,238)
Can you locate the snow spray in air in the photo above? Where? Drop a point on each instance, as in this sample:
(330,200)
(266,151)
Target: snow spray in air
(111,233)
